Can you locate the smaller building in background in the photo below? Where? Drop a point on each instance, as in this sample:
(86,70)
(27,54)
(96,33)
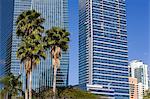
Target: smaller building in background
(138,70)
(140,91)
(133,88)
(149,84)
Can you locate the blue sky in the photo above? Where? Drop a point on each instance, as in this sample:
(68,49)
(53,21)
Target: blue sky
(137,28)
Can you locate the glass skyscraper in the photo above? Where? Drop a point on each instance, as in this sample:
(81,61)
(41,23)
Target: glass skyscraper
(103,50)
(56,14)
(6,27)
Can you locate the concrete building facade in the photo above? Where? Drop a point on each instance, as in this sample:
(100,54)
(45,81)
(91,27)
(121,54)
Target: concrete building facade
(139,70)
(133,88)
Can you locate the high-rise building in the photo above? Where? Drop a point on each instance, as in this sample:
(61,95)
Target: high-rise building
(149,84)
(140,91)
(103,50)
(133,88)
(56,14)
(6,21)
(139,70)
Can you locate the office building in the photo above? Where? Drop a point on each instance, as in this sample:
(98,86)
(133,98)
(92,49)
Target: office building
(56,14)
(103,50)
(133,88)
(6,21)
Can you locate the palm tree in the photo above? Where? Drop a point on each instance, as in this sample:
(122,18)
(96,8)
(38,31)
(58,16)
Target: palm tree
(31,50)
(12,85)
(57,41)
(30,53)
(29,22)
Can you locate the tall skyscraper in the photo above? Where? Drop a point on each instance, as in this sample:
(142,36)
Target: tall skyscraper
(56,14)
(103,50)
(6,27)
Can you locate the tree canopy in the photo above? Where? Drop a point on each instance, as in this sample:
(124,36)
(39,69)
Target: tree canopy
(147,94)
(12,85)
(65,93)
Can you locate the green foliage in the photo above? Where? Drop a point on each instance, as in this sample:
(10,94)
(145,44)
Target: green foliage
(147,94)
(12,85)
(56,40)
(30,30)
(77,94)
(34,43)
(47,94)
(66,93)
(31,49)
(57,37)
(29,22)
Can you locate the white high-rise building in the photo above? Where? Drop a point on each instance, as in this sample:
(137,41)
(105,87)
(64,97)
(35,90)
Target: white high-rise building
(139,70)
(140,91)
(149,84)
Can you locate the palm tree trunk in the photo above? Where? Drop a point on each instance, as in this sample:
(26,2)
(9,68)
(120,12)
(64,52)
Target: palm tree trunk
(20,69)
(54,82)
(30,82)
(6,96)
(21,74)
(30,85)
(26,91)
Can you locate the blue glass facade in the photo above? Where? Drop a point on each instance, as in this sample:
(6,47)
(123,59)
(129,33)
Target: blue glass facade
(56,14)
(5,34)
(6,20)
(103,50)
